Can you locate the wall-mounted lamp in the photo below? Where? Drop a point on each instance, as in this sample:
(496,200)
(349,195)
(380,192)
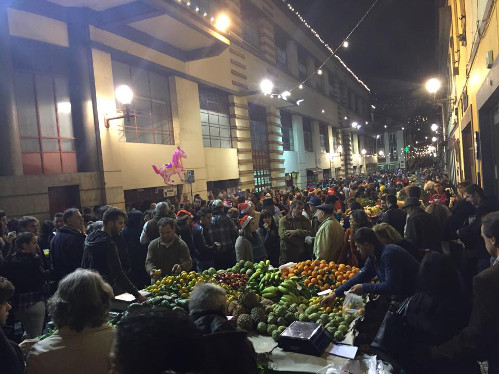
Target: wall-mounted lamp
(124,95)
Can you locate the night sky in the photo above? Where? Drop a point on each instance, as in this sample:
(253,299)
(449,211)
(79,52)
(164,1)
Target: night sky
(393,51)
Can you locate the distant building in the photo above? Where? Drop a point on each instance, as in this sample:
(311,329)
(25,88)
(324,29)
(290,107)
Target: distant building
(390,147)
(194,85)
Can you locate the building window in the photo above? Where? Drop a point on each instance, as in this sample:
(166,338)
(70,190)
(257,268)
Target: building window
(352,98)
(280,50)
(302,64)
(307,135)
(393,154)
(392,138)
(215,118)
(259,147)
(45,124)
(344,93)
(324,137)
(151,101)
(287,131)
(332,81)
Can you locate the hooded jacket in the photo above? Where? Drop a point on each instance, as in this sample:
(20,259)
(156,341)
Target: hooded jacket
(66,251)
(100,253)
(228,349)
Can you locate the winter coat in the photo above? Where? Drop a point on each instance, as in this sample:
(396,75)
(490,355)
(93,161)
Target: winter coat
(250,249)
(136,252)
(423,230)
(101,253)
(328,240)
(272,243)
(11,357)
(396,218)
(161,257)
(227,349)
(395,268)
(66,251)
(478,340)
(293,248)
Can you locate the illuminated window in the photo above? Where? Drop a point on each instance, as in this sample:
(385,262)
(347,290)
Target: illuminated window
(287,131)
(215,118)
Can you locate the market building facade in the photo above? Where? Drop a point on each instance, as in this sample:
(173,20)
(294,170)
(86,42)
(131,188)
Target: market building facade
(469,46)
(194,84)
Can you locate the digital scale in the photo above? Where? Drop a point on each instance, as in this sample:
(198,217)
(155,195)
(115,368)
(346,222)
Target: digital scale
(305,337)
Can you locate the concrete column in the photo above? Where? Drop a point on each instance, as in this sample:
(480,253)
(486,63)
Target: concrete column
(188,132)
(300,149)
(316,139)
(332,148)
(81,84)
(387,148)
(347,153)
(239,120)
(276,150)
(292,55)
(109,137)
(10,144)
(267,43)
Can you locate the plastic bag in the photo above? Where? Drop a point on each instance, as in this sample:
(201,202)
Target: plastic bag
(353,303)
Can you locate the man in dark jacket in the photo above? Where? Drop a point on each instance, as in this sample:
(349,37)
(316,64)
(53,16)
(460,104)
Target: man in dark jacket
(394,216)
(228,349)
(477,257)
(100,253)
(136,252)
(422,229)
(394,267)
(224,231)
(293,229)
(66,249)
(204,248)
(479,339)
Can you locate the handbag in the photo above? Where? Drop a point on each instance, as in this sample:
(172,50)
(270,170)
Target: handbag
(391,336)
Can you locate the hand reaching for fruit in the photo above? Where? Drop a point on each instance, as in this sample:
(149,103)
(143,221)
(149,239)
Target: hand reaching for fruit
(329,300)
(357,289)
(176,269)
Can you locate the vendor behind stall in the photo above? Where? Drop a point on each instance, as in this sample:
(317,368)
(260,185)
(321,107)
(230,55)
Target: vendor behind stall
(167,254)
(395,268)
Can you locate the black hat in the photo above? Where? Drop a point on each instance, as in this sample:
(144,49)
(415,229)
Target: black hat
(326,208)
(267,202)
(410,202)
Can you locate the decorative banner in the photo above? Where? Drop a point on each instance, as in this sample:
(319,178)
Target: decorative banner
(174,167)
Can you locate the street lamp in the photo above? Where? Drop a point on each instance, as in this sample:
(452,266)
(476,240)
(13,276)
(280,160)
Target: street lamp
(222,22)
(266,86)
(124,95)
(433,85)
(363,152)
(434,139)
(434,127)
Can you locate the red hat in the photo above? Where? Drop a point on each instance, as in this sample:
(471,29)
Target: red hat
(243,207)
(183,214)
(244,221)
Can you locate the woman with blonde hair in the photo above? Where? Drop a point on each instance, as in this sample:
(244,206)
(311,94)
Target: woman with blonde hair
(80,309)
(387,234)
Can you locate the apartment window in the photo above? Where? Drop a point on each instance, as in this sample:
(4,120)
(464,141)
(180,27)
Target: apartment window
(392,138)
(287,131)
(215,118)
(151,100)
(324,138)
(393,153)
(307,135)
(344,93)
(250,19)
(45,124)
(280,50)
(302,64)
(332,79)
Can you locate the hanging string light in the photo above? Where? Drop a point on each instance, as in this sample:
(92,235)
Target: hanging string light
(332,52)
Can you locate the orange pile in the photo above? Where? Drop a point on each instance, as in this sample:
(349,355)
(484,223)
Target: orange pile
(320,273)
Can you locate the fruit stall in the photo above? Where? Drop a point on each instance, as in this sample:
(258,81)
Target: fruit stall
(264,301)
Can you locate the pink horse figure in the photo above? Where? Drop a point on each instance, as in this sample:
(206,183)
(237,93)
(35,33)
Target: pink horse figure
(174,167)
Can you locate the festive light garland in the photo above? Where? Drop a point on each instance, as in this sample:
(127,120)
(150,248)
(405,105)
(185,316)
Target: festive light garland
(332,52)
(315,33)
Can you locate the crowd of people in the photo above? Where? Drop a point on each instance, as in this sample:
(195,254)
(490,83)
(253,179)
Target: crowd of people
(432,247)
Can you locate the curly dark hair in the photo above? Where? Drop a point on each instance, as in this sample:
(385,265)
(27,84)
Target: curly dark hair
(6,290)
(167,338)
(83,299)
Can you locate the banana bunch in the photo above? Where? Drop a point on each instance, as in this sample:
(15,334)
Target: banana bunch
(263,277)
(291,292)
